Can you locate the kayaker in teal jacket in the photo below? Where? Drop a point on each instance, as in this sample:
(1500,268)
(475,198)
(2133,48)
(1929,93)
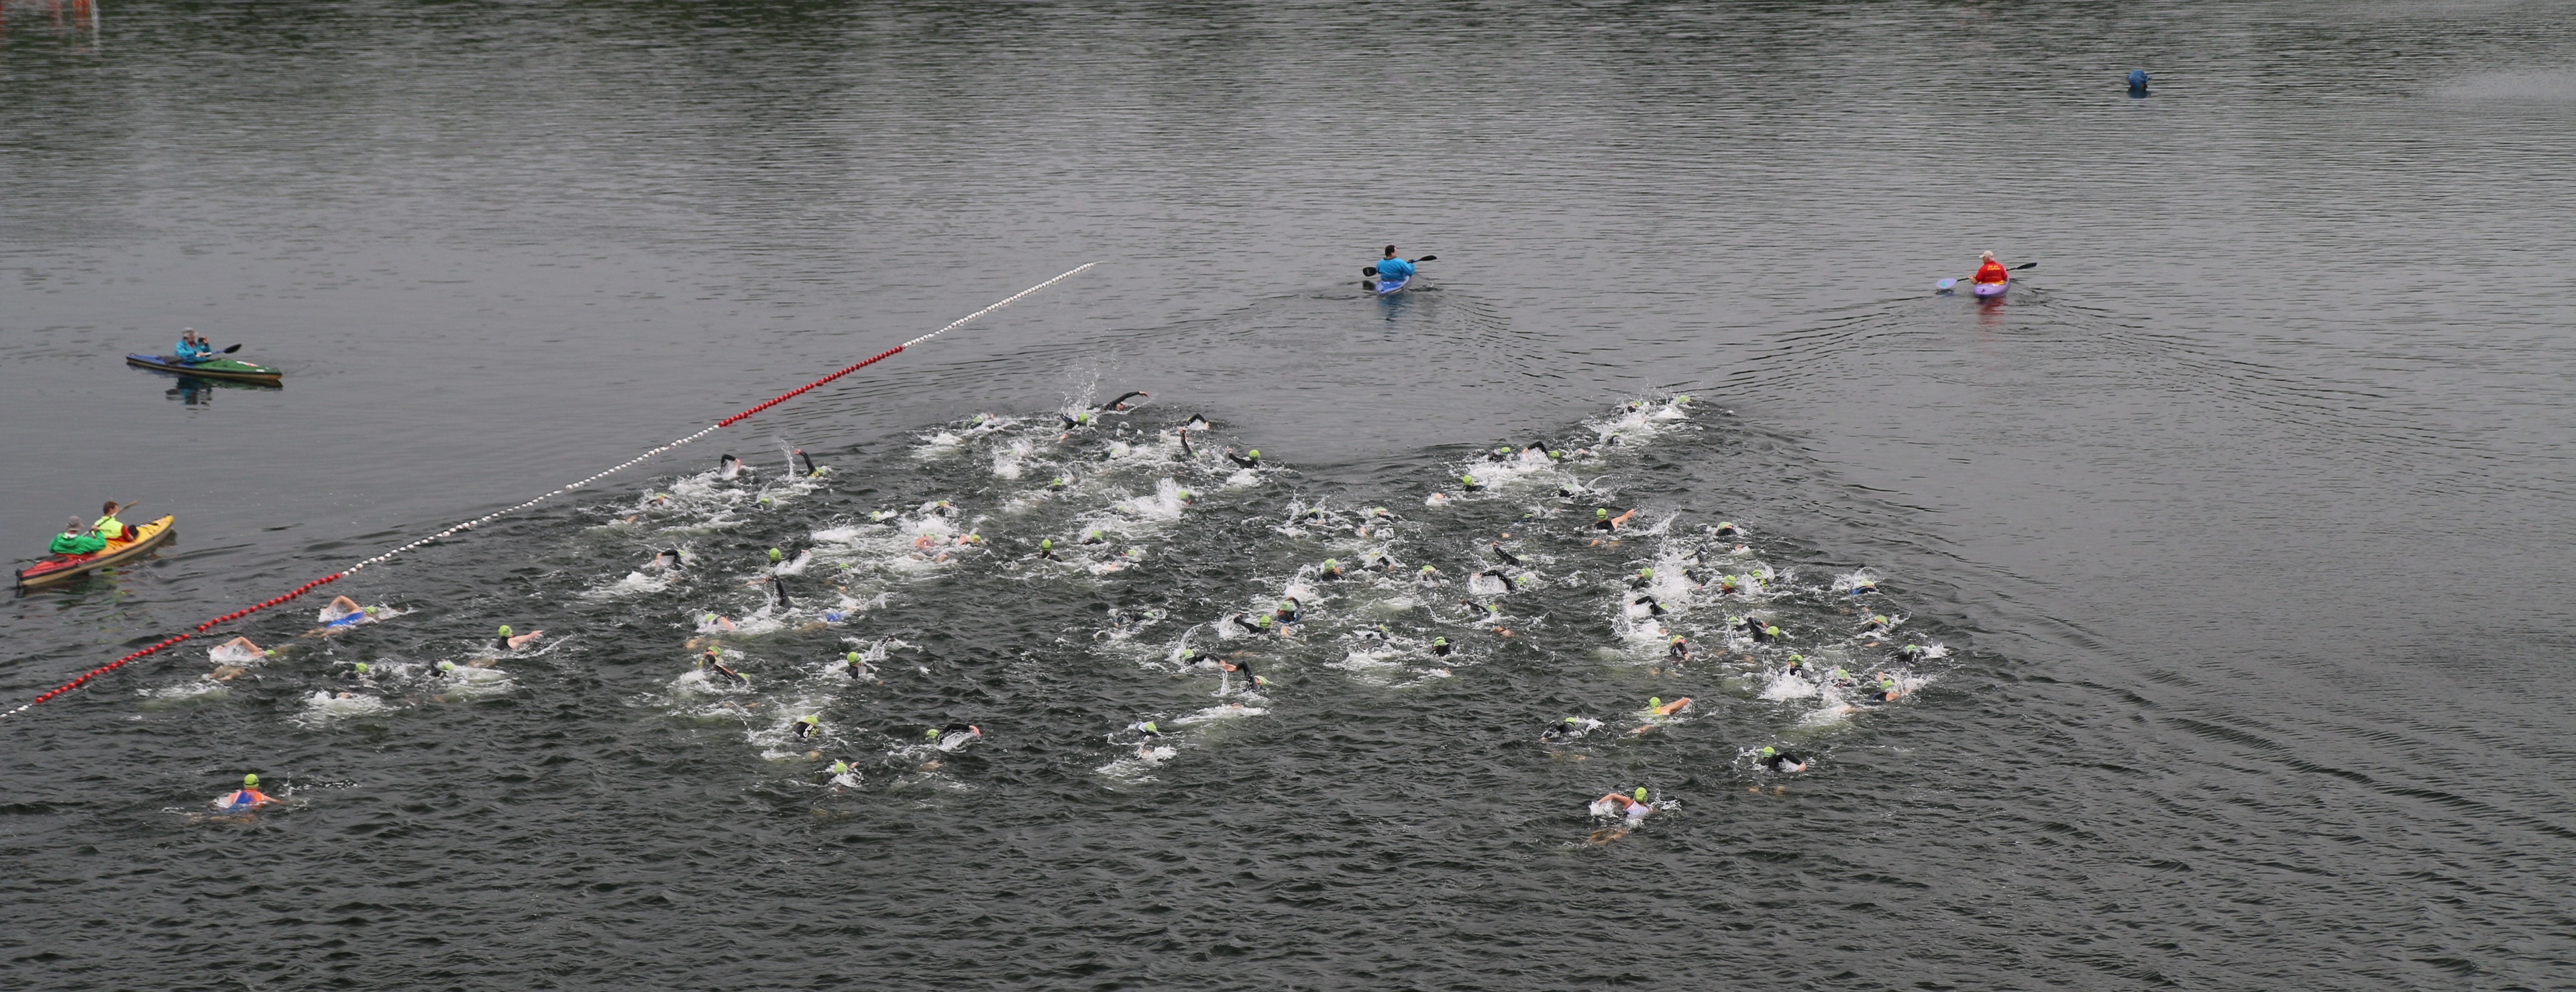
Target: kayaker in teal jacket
(193,349)
(76,540)
(1394,269)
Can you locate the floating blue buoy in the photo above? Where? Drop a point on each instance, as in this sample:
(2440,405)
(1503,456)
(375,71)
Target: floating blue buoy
(2137,82)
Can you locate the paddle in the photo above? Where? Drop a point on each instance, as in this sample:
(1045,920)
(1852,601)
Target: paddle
(1947,283)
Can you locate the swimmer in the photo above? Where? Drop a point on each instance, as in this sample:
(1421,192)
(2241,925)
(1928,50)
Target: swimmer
(1875,623)
(1246,668)
(728,466)
(1659,707)
(956,735)
(1885,692)
(1121,402)
(811,472)
(1566,729)
(1602,520)
(1797,666)
(1257,628)
(1503,556)
(1679,649)
(1860,586)
(667,558)
(1288,610)
(713,661)
(858,667)
(1632,806)
(1441,646)
(808,726)
(356,672)
(1469,483)
(505,641)
(1728,586)
(1046,549)
(1195,423)
(244,799)
(1073,420)
(1381,563)
(778,586)
(1246,461)
(1330,570)
(1427,575)
(1185,454)
(1094,536)
(1644,577)
(244,644)
(1146,728)
(842,775)
(1764,632)
(1841,677)
(1724,528)
(721,623)
(342,614)
(1057,484)
(1654,607)
(1781,761)
(1911,653)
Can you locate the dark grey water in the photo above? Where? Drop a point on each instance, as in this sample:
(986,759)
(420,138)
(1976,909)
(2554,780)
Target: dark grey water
(2241,526)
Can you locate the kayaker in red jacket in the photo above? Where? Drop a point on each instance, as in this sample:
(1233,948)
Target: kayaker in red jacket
(1991,271)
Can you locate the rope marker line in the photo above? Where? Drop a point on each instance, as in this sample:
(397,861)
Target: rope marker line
(498,514)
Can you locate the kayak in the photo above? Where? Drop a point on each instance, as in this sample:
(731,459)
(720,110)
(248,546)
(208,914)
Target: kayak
(1991,290)
(213,368)
(63,568)
(1384,286)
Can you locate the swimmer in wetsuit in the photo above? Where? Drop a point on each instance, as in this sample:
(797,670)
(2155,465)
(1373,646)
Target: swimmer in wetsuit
(1330,570)
(811,470)
(505,641)
(668,558)
(1566,729)
(728,466)
(1121,402)
(1781,761)
(1469,483)
(1885,692)
(1288,610)
(808,726)
(955,735)
(1797,666)
(1654,608)
(1251,461)
(1602,520)
(1764,632)
(1046,549)
(1441,646)
(1679,649)
(1644,577)
(713,661)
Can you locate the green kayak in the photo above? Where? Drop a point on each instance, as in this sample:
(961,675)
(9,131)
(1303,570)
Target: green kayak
(213,368)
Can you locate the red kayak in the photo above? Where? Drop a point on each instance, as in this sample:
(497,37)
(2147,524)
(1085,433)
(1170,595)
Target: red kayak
(64,568)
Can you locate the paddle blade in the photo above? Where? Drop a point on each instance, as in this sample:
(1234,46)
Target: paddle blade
(1428,258)
(1369,284)
(232,349)
(2026,265)
(1368,270)
(1945,284)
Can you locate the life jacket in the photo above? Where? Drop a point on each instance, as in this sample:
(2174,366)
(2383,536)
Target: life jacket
(1992,271)
(109,527)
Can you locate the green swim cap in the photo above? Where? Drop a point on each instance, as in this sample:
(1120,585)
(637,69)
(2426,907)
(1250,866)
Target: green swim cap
(250,781)
(1468,479)
(838,767)
(1439,641)
(1599,512)
(1426,570)
(268,653)
(810,720)
(1677,638)
(1646,573)
(1797,657)
(505,630)
(1046,544)
(1379,512)
(1286,605)
(1094,532)
(361,668)
(1724,524)
(1768,751)
(1265,620)
(446,666)
(1256,453)
(764,501)
(774,555)
(1189,653)
(1640,793)
(1151,729)
(933,734)
(852,657)
(1059,480)
(1332,563)
(1186,494)
(1654,701)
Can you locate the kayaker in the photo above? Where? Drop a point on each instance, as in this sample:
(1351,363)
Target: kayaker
(108,526)
(1989,270)
(246,798)
(1393,269)
(76,540)
(192,349)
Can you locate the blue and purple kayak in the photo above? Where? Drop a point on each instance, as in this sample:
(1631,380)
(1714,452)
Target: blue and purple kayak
(1992,290)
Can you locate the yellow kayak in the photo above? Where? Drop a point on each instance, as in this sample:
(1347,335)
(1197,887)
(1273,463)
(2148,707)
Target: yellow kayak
(64,568)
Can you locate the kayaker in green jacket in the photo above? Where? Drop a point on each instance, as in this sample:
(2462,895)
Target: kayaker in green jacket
(76,540)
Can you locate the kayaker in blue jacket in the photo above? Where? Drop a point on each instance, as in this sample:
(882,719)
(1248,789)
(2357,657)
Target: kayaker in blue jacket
(1394,269)
(191,348)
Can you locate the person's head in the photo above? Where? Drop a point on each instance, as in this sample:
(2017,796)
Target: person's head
(852,657)
(1768,751)
(1985,256)
(1439,642)
(250,781)
(811,720)
(1390,251)
(505,630)
(1656,702)
(360,668)
(774,554)
(74,527)
(446,666)
(1677,639)
(109,508)
(1639,795)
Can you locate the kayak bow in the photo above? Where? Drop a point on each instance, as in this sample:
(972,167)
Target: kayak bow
(63,568)
(215,368)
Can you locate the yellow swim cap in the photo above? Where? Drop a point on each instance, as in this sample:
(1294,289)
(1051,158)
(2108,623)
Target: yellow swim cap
(250,781)
(1655,701)
(505,630)
(852,657)
(1641,793)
